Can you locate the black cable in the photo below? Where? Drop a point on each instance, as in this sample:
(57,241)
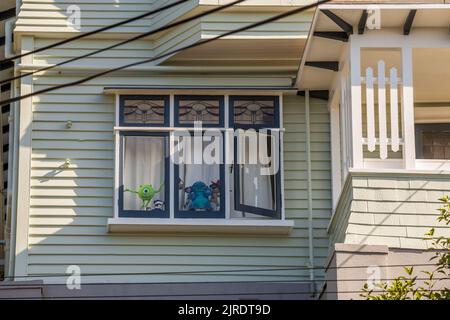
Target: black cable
(146,34)
(90,33)
(251,26)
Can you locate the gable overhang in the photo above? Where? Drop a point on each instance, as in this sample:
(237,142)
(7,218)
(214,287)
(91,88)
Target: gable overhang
(334,23)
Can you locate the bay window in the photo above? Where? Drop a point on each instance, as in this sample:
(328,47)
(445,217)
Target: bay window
(173,157)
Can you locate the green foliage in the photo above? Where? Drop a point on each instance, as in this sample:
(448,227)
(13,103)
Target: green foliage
(405,287)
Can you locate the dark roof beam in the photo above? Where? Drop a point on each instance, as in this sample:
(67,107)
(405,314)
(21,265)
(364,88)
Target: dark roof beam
(409,22)
(339,36)
(328,65)
(344,25)
(362,22)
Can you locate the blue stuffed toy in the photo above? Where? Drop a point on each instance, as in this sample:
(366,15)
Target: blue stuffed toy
(198,196)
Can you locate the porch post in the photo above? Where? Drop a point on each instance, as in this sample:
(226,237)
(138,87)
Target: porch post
(409,151)
(356,114)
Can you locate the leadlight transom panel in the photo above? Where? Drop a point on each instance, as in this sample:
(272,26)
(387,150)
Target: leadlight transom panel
(144,110)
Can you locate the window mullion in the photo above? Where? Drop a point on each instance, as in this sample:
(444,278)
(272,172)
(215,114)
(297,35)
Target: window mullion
(225,159)
(171,164)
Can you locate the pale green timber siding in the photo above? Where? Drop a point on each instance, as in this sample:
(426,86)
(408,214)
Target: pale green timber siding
(51,16)
(70,207)
(390,209)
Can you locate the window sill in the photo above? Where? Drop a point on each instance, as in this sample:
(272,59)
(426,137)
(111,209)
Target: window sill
(214,226)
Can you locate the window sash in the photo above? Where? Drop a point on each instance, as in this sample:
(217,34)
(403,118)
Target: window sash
(239,206)
(219,214)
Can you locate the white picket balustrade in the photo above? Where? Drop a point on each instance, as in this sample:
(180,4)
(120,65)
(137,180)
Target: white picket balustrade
(379,83)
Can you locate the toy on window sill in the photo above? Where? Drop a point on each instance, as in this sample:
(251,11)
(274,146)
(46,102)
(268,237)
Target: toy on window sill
(215,197)
(158,204)
(146,192)
(198,196)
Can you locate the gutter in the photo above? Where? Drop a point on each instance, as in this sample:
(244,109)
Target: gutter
(175,69)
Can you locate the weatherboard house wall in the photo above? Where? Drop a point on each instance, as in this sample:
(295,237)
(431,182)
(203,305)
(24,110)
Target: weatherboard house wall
(348,211)
(63,210)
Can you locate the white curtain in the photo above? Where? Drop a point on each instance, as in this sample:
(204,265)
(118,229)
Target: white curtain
(256,188)
(191,173)
(144,164)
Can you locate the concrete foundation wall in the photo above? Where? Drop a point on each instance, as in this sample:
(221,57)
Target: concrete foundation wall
(159,291)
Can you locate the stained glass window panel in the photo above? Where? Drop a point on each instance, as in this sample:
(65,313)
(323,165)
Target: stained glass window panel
(205,109)
(145,110)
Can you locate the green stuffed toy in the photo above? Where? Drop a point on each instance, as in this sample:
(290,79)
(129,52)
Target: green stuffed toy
(146,192)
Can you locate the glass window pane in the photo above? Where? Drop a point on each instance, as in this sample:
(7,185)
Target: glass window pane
(255,111)
(145,110)
(436,145)
(206,109)
(144,172)
(199,178)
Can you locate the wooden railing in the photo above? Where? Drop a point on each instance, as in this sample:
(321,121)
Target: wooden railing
(379,85)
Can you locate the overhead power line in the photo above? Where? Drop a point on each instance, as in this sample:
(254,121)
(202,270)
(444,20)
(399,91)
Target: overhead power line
(90,33)
(167,54)
(146,34)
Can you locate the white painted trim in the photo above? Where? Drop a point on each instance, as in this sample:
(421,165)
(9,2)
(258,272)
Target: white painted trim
(263,91)
(158,129)
(433,38)
(228,147)
(420,165)
(24,169)
(116,159)
(310,39)
(409,144)
(383,164)
(335,140)
(393,171)
(382,125)
(387,6)
(356,112)
(370,105)
(393,84)
(281,159)
(210,226)
(434,165)
(171,164)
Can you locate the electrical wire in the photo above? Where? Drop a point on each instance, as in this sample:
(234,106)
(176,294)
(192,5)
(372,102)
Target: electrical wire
(167,54)
(137,37)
